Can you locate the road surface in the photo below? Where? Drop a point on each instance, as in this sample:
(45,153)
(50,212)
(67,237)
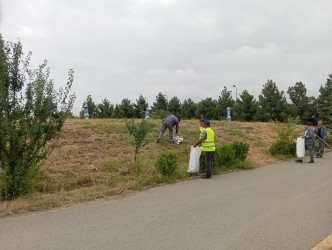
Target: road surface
(280,206)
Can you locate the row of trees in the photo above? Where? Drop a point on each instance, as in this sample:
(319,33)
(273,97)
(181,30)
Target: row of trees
(271,105)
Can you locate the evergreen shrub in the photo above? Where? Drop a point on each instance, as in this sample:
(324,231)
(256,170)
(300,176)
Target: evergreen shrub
(167,163)
(241,150)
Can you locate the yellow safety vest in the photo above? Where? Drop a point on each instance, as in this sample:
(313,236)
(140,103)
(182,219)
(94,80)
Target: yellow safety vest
(209,144)
(200,132)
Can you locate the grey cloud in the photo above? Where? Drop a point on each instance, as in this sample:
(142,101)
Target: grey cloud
(121,49)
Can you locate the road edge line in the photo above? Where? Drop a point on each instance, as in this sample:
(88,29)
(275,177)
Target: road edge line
(326,244)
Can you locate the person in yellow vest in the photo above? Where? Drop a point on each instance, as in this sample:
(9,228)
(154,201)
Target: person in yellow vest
(208,146)
(201,128)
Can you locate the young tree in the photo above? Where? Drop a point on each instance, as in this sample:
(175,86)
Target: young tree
(118,112)
(272,103)
(300,102)
(174,106)
(128,108)
(32,113)
(161,103)
(245,108)
(104,109)
(139,133)
(324,101)
(92,108)
(140,107)
(225,100)
(207,109)
(188,109)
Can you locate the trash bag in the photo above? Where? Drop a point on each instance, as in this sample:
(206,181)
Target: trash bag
(177,139)
(300,148)
(195,154)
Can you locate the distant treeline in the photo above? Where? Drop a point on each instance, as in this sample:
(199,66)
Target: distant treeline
(271,105)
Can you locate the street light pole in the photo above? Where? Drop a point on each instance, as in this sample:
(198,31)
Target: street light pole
(235,91)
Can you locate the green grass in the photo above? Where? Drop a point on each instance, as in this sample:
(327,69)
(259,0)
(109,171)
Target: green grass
(234,132)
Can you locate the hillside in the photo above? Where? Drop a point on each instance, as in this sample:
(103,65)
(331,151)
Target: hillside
(85,162)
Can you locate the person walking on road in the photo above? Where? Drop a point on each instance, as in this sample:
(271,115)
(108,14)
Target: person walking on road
(169,122)
(308,142)
(321,133)
(208,146)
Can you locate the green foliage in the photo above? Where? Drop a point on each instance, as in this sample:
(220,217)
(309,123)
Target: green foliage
(287,133)
(207,109)
(174,106)
(234,132)
(139,134)
(302,104)
(104,109)
(224,154)
(161,103)
(92,108)
(272,103)
(329,140)
(229,156)
(283,148)
(167,163)
(140,107)
(32,113)
(241,150)
(159,114)
(225,100)
(245,108)
(188,109)
(324,102)
(127,108)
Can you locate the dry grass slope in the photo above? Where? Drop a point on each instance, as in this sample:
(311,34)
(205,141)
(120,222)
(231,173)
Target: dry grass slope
(85,162)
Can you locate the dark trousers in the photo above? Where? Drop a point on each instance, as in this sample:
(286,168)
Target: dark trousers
(208,161)
(311,152)
(319,145)
(165,126)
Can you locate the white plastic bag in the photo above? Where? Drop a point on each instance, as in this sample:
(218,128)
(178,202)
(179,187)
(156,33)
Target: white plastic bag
(300,149)
(195,153)
(177,139)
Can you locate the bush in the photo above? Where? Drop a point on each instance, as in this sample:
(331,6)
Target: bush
(167,163)
(329,140)
(224,155)
(287,133)
(283,148)
(241,150)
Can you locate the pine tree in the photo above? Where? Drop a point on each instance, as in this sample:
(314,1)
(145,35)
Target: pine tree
(272,103)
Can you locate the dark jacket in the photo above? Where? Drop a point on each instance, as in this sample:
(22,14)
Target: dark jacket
(171,121)
(308,137)
(323,132)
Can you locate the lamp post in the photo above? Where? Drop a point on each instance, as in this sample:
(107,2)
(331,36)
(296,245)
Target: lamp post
(235,91)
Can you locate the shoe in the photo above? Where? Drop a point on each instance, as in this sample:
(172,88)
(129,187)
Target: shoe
(298,160)
(158,140)
(205,177)
(317,156)
(171,141)
(311,161)
(321,156)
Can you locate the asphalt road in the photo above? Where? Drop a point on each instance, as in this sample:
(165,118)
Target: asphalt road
(280,206)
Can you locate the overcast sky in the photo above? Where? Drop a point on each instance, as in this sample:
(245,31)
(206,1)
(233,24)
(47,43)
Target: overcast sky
(189,49)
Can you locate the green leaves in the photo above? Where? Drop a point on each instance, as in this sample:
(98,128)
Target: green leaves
(167,163)
(32,113)
(139,134)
